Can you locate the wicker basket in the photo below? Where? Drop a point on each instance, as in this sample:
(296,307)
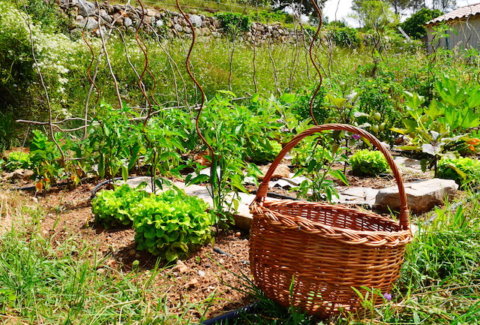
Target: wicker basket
(310,255)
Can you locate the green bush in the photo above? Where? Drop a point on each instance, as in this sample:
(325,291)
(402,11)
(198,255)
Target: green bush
(17,160)
(114,207)
(368,163)
(234,22)
(414,26)
(264,152)
(463,170)
(344,36)
(171,224)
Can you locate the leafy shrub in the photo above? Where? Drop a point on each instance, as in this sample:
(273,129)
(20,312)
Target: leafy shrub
(57,58)
(264,152)
(114,207)
(115,144)
(368,163)
(414,26)
(463,170)
(45,158)
(171,224)
(17,160)
(344,36)
(234,22)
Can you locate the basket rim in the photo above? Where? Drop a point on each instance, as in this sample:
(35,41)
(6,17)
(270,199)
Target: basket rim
(344,235)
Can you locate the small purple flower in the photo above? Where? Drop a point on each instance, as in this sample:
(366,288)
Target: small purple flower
(356,137)
(387,296)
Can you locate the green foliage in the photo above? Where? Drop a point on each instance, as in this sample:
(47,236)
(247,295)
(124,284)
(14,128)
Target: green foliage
(171,224)
(234,23)
(344,36)
(62,281)
(368,163)
(314,158)
(464,171)
(45,158)
(445,251)
(441,126)
(377,109)
(264,152)
(237,133)
(17,160)
(46,13)
(56,55)
(114,207)
(8,129)
(115,145)
(414,25)
(373,14)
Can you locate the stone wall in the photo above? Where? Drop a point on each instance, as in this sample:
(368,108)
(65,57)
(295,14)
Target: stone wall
(163,22)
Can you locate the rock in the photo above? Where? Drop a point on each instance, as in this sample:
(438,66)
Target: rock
(358,196)
(147,20)
(178,28)
(18,174)
(88,23)
(159,23)
(153,12)
(205,31)
(216,23)
(408,163)
(196,20)
(127,22)
(422,196)
(282,171)
(85,8)
(180,267)
(281,183)
(191,284)
(107,18)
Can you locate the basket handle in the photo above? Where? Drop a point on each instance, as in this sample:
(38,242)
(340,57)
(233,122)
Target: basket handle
(262,191)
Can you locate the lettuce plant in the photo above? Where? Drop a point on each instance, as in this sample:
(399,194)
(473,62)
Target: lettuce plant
(464,171)
(368,163)
(114,207)
(17,160)
(169,225)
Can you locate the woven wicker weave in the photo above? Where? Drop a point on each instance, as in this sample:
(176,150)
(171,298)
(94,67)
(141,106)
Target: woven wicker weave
(310,255)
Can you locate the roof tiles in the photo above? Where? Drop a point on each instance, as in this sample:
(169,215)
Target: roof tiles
(462,12)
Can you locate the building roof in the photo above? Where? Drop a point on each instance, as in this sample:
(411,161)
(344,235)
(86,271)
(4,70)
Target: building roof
(462,12)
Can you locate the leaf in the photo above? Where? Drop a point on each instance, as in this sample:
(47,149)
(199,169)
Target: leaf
(431,149)
(338,174)
(409,148)
(125,172)
(398,130)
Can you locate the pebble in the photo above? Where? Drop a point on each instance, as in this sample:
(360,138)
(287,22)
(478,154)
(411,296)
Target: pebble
(180,267)
(201,273)
(192,283)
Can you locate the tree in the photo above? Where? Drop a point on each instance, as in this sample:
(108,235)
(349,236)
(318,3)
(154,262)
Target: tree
(399,5)
(373,14)
(414,26)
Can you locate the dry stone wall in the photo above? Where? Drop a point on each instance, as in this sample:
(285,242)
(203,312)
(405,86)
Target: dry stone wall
(87,16)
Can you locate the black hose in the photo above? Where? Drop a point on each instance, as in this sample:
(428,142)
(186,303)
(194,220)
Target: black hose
(108,181)
(278,196)
(223,319)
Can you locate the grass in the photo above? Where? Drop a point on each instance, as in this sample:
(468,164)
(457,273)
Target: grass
(48,281)
(206,6)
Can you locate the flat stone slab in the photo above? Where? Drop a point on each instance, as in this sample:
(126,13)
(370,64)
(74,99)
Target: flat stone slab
(422,196)
(364,196)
